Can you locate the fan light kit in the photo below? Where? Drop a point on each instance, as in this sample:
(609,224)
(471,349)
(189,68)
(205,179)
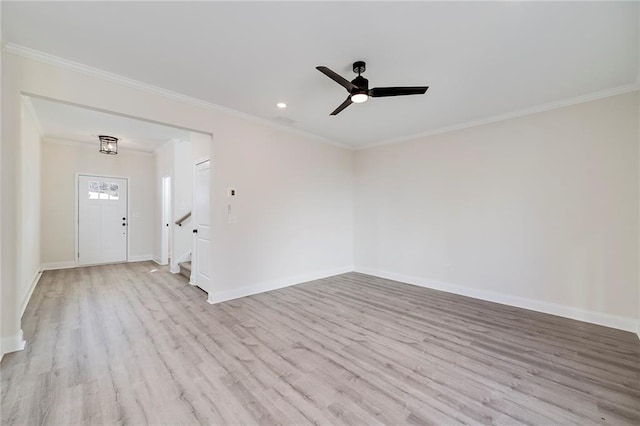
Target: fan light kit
(359,98)
(359,91)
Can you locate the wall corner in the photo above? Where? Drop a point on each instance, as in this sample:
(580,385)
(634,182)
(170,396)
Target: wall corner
(12,343)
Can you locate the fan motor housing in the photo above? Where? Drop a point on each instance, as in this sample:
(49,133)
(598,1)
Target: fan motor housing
(361,82)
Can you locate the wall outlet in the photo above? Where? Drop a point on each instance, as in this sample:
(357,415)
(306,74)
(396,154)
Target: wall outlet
(231,192)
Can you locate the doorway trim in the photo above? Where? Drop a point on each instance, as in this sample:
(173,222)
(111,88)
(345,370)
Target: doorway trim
(194,244)
(76,221)
(166,215)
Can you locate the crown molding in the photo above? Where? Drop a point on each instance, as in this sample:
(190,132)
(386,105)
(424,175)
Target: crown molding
(57,61)
(515,114)
(46,58)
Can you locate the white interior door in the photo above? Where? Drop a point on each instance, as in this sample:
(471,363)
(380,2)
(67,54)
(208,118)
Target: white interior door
(102,220)
(201,264)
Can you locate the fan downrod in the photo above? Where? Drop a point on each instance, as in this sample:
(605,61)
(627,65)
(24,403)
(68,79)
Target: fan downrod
(359,67)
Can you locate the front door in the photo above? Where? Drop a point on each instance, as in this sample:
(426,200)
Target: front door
(202,231)
(102,220)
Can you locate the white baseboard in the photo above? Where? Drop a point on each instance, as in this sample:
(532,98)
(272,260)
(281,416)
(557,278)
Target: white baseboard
(71,264)
(32,287)
(223,296)
(608,320)
(58,265)
(12,344)
(140,258)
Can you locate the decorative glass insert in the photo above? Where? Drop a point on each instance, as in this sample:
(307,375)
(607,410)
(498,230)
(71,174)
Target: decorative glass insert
(104,190)
(94,190)
(114,193)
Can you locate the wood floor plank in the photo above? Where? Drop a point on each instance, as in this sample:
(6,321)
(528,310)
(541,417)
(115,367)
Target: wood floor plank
(135,344)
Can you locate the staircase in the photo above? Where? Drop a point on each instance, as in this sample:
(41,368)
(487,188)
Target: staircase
(185,269)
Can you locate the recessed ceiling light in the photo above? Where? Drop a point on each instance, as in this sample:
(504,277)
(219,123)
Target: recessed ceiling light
(281,105)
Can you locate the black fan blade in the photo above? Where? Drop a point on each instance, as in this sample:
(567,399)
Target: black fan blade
(381,92)
(342,106)
(337,78)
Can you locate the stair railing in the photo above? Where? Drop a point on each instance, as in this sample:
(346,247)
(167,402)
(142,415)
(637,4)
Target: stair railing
(182,219)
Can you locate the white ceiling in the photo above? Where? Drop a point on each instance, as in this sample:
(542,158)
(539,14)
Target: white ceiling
(479,59)
(76,124)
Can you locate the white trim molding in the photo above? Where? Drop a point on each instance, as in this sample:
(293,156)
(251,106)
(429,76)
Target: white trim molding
(509,115)
(12,344)
(52,266)
(47,58)
(250,290)
(140,258)
(600,318)
(34,115)
(32,287)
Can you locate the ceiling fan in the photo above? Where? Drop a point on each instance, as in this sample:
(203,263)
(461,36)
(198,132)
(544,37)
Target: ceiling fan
(359,90)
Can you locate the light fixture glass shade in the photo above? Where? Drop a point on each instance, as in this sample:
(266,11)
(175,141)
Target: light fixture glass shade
(108,145)
(359,98)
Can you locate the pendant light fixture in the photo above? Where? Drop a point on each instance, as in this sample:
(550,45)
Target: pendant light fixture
(108,145)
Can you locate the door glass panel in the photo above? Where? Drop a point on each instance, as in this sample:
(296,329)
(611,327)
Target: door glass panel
(104,191)
(114,193)
(94,190)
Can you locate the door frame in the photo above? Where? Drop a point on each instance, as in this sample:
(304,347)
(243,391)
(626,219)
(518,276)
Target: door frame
(194,243)
(166,215)
(76,222)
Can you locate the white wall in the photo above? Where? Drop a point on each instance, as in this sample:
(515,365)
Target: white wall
(200,146)
(2,276)
(542,208)
(61,161)
(292,198)
(29,196)
(9,169)
(295,203)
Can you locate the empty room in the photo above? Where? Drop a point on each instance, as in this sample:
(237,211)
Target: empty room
(343,212)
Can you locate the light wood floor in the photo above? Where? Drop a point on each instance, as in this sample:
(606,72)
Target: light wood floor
(131,344)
